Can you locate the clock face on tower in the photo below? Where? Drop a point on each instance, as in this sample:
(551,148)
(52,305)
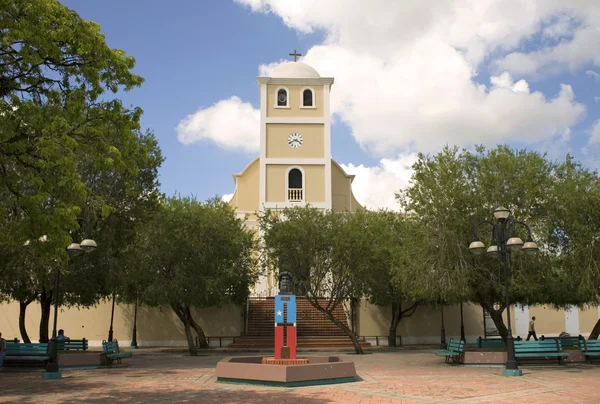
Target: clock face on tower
(295,140)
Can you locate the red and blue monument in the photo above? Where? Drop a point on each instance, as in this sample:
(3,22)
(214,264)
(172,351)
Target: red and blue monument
(285,320)
(284,369)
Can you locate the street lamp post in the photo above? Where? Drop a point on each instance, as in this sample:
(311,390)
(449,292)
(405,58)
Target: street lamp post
(112,315)
(74,249)
(134,344)
(443,344)
(462,324)
(505,241)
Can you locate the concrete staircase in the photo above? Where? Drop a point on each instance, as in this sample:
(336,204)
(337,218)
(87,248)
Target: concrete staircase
(314,329)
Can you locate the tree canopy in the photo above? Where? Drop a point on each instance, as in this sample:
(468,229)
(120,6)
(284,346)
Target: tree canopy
(193,254)
(453,190)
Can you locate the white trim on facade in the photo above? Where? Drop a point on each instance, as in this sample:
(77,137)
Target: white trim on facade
(287,184)
(295,120)
(327,135)
(287,98)
(521,319)
(312,91)
(282,205)
(306,161)
(321,81)
(572,320)
(262,173)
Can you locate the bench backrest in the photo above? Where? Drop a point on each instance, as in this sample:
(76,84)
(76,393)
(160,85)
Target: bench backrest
(590,345)
(74,344)
(490,343)
(110,346)
(455,345)
(26,349)
(548,345)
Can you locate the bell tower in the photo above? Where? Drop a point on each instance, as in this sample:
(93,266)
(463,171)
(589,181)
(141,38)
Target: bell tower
(295,137)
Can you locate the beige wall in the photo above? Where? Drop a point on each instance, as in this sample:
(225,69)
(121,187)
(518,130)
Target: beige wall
(277,182)
(547,320)
(424,325)
(294,102)
(313,145)
(342,197)
(588,316)
(155,326)
(246,197)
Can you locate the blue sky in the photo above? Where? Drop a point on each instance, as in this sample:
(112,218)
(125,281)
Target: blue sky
(194,54)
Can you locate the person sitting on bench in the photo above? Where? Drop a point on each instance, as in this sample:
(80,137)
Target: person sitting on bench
(61,336)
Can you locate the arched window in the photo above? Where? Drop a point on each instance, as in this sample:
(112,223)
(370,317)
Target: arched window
(308,98)
(282,97)
(295,179)
(295,185)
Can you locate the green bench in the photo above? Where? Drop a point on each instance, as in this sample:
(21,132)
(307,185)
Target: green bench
(492,342)
(590,348)
(22,352)
(73,345)
(112,352)
(453,351)
(549,348)
(566,342)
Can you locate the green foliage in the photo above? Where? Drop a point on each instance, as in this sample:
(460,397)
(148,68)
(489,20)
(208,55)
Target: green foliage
(195,253)
(453,190)
(329,253)
(55,71)
(68,149)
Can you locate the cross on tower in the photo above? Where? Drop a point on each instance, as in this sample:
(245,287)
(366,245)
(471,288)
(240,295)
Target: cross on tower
(295,54)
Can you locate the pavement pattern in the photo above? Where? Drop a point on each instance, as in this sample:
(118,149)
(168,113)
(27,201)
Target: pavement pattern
(385,377)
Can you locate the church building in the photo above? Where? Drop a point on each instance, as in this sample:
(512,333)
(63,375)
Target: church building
(294,166)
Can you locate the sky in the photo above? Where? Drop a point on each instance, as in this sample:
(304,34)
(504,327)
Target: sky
(410,77)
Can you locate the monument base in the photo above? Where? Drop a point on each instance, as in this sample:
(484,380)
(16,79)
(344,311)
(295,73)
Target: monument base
(317,370)
(273,361)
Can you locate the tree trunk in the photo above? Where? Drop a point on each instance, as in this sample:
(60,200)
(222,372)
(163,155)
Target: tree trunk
(22,309)
(340,325)
(396,310)
(180,311)
(397,315)
(201,336)
(46,305)
(496,316)
(595,331)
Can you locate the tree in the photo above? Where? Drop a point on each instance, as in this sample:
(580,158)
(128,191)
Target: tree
(453,190)
(394,259)
(56,71)
(192,254)
(331,252)
(68,149)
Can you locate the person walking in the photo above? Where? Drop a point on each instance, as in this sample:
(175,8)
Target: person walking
(532,329)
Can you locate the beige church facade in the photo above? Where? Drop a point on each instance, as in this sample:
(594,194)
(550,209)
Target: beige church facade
(294,168)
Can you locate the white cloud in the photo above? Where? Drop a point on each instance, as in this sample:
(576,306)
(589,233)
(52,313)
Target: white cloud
(405,71)
(597,99)
(576,35)
(592,74)
(226,197)
(594,133)
(375,187)
(231,124)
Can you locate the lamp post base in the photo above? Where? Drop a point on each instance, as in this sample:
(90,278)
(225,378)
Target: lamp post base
(51,375)
(513,372)
(133,347)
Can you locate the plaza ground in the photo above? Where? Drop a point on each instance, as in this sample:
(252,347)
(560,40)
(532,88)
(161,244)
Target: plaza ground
(402,376)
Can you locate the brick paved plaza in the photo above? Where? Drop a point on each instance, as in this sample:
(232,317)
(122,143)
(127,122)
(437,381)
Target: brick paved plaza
(387,377)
